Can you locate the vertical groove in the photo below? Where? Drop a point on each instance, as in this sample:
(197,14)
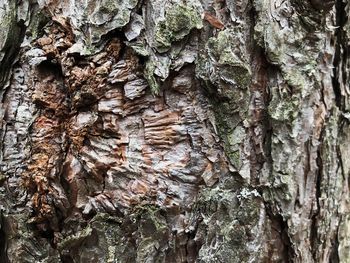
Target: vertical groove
(3,253)
(341,18)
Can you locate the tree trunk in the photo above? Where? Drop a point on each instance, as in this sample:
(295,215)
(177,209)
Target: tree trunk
(174,131)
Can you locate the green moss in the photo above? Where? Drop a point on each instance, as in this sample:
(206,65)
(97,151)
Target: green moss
(296,79)
(232,69)
(111,14)
(89,50)
(109,237)
(228,118)
(37,23)
(139,48)
(235,158)
(274,44)
(203,65)
(10,40)
(76,239)
(151,220)
(145,247)
(149,75)
(248,212)
(286,48)
(179,21)
(152,230)
(109,7)
(227,77)
(284,109)
(230,219)
(281,188)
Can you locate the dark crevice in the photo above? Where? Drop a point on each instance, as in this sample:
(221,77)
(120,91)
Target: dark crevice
(340,160)
(316,211)
(115,33)
(282,241)
(322,5)
(43,232)
(311,18)
(339,80)
(10,49)
(334,256)
(340,35)
(307,168)
(264,71)
(192,246)
(271,72)
(49,68)
(258,104)
(66,259)
(3,252)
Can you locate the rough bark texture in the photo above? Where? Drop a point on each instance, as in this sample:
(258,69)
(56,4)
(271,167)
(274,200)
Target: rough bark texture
(174,131)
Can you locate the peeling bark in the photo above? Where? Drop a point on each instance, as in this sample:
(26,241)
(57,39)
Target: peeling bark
(181,131)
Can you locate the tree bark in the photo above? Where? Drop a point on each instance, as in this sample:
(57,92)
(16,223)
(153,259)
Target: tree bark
(174,131)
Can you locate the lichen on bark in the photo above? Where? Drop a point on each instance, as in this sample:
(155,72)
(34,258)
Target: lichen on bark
(181,131)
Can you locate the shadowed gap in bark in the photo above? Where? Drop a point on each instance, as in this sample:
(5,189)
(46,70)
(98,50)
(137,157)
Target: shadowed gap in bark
(340,52)
(3,252)
(314,218)
(281,227)
(11,51)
